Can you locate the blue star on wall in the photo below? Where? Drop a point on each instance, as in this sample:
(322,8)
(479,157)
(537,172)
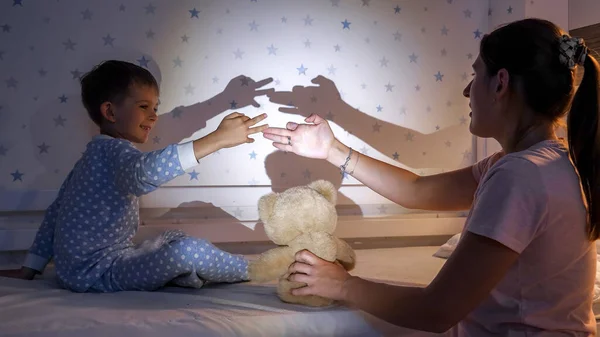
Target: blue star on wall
(17,2)
(272,50)
(76,73)
(477,34)
(63,98)
(302,70)
(87,14)
(252,155)
(59,121)
(193,175)
(397,9)
(143,62)
(194,13)
(17,175)
(346,24)
(233,104)
(438,76)
(6,28)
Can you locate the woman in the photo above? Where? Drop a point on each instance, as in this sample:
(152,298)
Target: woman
(525,265)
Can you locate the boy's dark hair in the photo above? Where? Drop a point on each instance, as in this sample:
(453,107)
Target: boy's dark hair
(531,50)
(110,81)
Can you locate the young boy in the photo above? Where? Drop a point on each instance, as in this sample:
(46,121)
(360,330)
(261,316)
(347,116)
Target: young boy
(88,229)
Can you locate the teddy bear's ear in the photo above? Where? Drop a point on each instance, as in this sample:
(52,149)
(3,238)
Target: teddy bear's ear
(265,206)
(325,188)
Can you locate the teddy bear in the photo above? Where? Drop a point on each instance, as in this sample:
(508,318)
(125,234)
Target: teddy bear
(301,217)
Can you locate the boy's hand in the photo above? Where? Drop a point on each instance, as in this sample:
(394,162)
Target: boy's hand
(236,127)
(23,273)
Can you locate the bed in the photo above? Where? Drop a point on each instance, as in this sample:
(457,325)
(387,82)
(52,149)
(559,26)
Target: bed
(40,308)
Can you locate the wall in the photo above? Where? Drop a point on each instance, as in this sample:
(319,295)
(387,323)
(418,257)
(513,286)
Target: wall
(583,13)
(401,64)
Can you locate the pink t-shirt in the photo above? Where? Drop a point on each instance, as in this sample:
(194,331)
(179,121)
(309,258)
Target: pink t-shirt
(531,201)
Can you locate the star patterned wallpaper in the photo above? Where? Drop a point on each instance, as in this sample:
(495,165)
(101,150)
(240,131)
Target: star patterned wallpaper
(399,66)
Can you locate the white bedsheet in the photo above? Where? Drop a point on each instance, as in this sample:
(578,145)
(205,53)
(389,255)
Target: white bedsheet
(40,308)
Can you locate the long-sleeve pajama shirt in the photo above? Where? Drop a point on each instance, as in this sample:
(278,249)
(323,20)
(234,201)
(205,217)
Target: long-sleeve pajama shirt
(89,228)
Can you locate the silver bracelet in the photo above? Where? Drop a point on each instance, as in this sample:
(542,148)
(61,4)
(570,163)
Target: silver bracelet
(343,167)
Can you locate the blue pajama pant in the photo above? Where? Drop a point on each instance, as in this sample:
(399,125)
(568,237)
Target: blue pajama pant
(174,258)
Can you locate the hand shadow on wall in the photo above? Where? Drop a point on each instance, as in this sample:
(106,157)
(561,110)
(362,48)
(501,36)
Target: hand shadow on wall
(182,122)
(286,170)
(414,149)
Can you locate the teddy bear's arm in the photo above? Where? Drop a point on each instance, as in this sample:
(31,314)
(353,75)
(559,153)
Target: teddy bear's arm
(345,254)
(271,264)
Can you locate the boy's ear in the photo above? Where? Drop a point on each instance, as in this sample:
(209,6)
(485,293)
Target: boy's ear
(107,111)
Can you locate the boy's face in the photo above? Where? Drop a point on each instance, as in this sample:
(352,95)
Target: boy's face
(134,118)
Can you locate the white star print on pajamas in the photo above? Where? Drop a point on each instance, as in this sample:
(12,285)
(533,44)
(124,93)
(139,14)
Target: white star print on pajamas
(89,228)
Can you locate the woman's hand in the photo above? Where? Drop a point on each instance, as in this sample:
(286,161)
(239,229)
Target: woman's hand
(313,140)
(235,128)
(322,278)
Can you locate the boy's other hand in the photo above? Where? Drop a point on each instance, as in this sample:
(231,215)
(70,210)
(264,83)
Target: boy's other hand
(23,273)
(236,127)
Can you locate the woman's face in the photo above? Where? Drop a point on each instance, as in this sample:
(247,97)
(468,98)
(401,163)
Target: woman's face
(485,115)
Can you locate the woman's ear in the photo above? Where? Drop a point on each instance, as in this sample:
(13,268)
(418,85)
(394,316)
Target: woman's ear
(107,111)
(502,80)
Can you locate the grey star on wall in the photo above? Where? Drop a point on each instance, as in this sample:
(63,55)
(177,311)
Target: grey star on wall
(462,120)
(389,87)
(409,136)
(448,143)
(366,3)
(397,36)
(150,9)
(6,28)
(69,45)
(413,58)
(272,50)
(43,148)
(122,8)
(189,89)
(395,155)
(467,13)
(445,30)
(337,47)
(177,62)
(12,82)
(238,53)
(185,38)
(284,20)
(253,26)
(384,62)
(87,14)
(156,140)
(308,20)
(253,182)
(238,212)
(63,98)
(108,40)
(382,209)
(335,3)
(307,174)
(150,34)
(177,112)
(76,73)
(42,72)
(215,79)
(307,43)
(59,121)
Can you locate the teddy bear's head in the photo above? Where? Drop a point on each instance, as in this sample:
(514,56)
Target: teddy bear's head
(299,210)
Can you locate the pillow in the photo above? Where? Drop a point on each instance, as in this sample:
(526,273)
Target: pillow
(447,248)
